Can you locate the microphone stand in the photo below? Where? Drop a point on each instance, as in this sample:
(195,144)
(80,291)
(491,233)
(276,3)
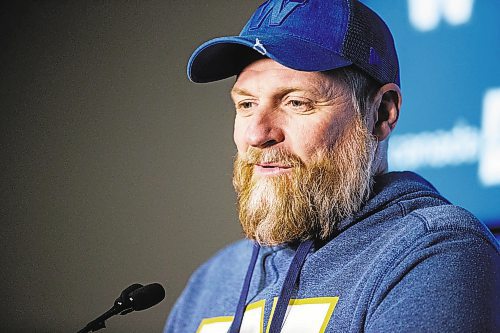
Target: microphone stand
(122,305)
(98,323)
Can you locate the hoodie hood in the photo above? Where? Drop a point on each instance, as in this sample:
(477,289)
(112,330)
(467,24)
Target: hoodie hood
(393,188)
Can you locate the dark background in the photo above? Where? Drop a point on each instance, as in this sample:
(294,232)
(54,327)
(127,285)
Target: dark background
(116,169)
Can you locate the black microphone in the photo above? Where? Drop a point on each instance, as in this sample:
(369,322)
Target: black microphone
(147,296)
(135,297)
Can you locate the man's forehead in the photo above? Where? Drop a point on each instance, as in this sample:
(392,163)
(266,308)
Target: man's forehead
(263,64)
(267,72)
(271,67)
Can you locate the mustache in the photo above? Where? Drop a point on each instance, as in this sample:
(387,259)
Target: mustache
(270,155)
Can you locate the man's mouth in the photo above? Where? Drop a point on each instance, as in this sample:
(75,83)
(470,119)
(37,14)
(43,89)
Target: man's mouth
(269,169)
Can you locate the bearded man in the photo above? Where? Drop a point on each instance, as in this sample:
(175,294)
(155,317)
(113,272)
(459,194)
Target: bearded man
(336,243)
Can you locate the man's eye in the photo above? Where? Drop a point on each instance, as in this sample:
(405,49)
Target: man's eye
(245,105)
(299,105)
(295,103)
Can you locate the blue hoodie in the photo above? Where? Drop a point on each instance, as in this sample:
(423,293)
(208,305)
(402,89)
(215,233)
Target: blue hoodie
(408,261)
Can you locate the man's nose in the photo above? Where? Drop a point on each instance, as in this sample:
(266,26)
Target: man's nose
(264,130)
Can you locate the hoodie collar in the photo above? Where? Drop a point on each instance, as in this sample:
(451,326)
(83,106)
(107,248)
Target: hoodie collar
(388,189)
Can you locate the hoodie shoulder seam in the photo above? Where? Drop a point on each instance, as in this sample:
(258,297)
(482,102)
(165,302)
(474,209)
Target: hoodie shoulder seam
(462,229)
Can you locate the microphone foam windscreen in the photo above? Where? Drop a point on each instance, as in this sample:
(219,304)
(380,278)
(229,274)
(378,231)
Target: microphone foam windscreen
(147,296)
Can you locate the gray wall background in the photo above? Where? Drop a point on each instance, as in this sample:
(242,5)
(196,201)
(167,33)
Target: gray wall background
(115,168)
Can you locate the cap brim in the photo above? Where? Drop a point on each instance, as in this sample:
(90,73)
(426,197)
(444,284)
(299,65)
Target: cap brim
(224,57)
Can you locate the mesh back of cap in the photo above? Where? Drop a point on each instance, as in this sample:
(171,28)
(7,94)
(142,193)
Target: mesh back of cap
(369,44)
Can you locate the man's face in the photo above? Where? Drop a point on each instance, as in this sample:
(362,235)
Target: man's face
(300,112)
(304,155)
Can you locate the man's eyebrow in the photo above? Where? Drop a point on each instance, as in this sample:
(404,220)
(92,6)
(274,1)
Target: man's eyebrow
(240,91)
(280,91)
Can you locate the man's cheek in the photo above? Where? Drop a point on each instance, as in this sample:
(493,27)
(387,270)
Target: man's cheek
(238,138)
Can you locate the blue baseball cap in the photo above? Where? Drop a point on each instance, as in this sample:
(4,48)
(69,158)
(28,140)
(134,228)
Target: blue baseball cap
(306,35)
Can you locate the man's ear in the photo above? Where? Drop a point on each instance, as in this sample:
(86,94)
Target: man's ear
(387,103)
